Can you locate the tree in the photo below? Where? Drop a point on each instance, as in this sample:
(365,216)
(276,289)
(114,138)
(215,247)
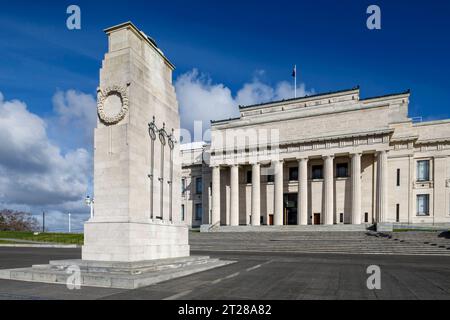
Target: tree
(17,221)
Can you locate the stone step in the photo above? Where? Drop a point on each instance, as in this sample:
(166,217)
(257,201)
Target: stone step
(328,242)
(334,251)
(110,278)
(311,228)
(129,267)
(319,248)
(324,246)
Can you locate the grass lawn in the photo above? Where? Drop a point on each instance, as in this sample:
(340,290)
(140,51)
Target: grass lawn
(8,242)
(63,238)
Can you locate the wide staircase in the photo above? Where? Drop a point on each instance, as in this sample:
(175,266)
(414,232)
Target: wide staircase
(366,242)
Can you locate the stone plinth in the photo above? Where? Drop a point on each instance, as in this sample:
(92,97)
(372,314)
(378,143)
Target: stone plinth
(121,275)
(128,241)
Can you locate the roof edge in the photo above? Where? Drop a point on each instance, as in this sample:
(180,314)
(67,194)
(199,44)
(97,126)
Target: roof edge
(301,98)
(407,92)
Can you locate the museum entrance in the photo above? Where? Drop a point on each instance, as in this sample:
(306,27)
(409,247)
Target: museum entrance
(290,209)
(316,218)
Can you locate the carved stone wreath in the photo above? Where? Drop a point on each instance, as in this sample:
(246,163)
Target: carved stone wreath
(101,99)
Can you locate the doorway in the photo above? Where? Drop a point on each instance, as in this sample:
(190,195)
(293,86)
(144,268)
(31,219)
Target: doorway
(316,218)
(290,209)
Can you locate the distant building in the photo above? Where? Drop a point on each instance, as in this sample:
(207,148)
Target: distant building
(340,160)
(195,184)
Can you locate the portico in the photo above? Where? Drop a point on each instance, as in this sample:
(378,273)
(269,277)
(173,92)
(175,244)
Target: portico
(306,182)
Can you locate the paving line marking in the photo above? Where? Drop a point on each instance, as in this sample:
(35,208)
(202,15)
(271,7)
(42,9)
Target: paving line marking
(258,266)
(238,273)
(253,268)
(232,275)
(178,295)
(216,281)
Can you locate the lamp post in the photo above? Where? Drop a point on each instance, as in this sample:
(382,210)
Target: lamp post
(70,224)
(90,202)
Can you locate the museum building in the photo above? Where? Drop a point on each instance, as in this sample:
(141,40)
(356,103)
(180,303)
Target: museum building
(338,159)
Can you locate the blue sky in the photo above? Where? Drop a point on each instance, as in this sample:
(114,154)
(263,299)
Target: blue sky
(230,40)
(232,51)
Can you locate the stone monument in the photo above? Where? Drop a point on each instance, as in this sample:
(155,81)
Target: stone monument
(135,237)
(137,171)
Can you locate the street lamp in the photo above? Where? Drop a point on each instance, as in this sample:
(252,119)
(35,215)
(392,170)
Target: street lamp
(90,202)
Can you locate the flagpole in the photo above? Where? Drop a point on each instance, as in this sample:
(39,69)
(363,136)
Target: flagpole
(295,82)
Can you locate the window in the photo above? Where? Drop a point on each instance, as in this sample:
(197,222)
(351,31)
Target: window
(293,174)
(249,176)
(198,212)
(366,217)
(398,177)
(198,186)
(182,213)
(317,172)
(423,170)
(183,186)
(342,170)
(397,213)
(341,218)
(270,178)
(423,205)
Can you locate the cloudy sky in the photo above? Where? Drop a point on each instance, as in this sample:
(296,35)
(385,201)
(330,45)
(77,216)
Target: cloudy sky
(227,54)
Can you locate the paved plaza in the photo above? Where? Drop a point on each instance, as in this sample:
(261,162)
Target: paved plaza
(261,274)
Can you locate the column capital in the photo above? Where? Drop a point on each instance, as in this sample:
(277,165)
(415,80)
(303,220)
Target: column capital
(352,154)
(382,152)
(328,156)
(304,158)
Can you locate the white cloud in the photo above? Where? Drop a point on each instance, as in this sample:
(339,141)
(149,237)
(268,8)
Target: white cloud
(202,100)
(76,117)
(34,172)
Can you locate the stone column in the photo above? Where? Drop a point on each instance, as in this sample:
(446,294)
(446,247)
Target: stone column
(382,186)
(302,202)
(215,214)
(356,188)
(329,190)
(256,194)
(206,179)
(234,206)
(278,203)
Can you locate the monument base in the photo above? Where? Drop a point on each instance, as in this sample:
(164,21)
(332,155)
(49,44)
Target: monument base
(134,240)
(120,275)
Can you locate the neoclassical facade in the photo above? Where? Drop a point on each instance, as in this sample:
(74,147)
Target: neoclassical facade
(331,158)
